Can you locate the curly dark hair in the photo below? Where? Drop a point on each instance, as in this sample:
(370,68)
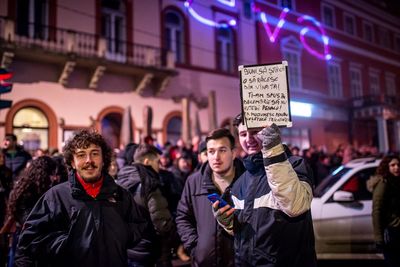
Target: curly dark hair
(33,182)
(383,168)
(83,139)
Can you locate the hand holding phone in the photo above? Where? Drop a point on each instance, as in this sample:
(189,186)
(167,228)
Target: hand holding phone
(214,197)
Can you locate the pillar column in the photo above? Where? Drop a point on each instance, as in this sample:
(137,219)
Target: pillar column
(185,119)
(212,111)
(396,134)
(382,135)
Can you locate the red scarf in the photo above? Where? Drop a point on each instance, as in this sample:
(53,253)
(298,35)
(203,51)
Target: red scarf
(92,189)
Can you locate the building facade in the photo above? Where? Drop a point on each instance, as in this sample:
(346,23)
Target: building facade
(169,68)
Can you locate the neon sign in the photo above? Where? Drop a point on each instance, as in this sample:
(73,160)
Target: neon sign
(205,21)
(272,35)
(325,39)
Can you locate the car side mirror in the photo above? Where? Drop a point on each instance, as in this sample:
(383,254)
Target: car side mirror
(343,196)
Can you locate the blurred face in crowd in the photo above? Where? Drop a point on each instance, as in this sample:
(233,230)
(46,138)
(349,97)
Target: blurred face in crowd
(220,155)
(9,143)
(88,163)
(165,161)
(184,165)
(113,169)
(202,157)
(248,139)
(394,167)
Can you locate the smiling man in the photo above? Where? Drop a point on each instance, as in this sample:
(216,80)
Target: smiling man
(271,218)
(205,240)
(87,221)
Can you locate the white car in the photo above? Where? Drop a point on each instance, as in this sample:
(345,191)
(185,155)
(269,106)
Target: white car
(341,212)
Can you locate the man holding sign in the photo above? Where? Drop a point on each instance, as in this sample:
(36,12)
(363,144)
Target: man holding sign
(271,219)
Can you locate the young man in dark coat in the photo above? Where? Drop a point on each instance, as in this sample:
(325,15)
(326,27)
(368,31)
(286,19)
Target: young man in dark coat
(143,182)
(271,219)
(87,221)
(16,156)
(209,245)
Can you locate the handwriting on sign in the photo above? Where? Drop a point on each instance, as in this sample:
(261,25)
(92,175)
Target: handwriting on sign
(265,98)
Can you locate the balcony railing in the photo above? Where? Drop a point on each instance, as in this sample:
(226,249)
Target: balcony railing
(83,44)
(376,100)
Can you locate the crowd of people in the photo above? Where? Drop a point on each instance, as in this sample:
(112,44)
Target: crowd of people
(147,204)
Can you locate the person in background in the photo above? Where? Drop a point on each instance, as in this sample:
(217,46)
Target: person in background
(33,182)
(87,221)
(144,184)
(5,188)
(165,160)
(182,167)
(113,169)
(271,219)
(202,155)
(206,241)
(386,209)
(16,157)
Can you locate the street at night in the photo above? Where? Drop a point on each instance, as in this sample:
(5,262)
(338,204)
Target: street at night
(207,133)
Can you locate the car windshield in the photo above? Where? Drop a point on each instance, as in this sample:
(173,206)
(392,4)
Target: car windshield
(330,180)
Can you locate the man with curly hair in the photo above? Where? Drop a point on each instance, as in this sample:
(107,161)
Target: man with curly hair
(87,221)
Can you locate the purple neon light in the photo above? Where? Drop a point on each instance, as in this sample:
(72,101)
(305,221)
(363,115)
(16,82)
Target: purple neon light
(230,3)
(272,35)
(205,21)
(325,39)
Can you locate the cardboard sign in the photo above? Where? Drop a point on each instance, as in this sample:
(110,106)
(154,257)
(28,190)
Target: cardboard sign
(265,95)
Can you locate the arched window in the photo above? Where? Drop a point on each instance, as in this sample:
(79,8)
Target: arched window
(174,129)
(111,128)
(225,49)
(174,34)
(31,127)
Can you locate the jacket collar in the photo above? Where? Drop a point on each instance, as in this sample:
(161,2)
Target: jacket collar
(208,185)
(107,190)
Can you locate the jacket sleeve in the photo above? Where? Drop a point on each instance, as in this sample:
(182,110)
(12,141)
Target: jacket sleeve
(290,182)
(185,219)
(137,225)
(378,211)
(159,213)
(41,236)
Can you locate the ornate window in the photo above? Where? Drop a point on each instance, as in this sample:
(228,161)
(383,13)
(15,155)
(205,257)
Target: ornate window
(113,27)
(174,34)
(225,49)
(32,18)
(335,79)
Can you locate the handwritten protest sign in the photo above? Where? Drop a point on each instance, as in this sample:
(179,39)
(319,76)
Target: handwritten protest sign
(265,95)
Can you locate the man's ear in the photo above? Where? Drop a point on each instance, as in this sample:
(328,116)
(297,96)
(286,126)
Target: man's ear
(73,165)
(146,161)
(235,152)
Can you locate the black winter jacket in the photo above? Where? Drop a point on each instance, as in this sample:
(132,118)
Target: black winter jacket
(67,227)
(143,183)
(17,161)
(207,242)
(264,234)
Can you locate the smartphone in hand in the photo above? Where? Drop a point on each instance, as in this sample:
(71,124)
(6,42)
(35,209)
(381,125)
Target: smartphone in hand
(214,197)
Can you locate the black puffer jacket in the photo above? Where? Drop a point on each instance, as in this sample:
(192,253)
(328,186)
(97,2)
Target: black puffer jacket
(207,242)
(265,235)
(67,227)
(143,183)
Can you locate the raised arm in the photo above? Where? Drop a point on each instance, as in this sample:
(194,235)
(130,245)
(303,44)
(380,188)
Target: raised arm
(290,182)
